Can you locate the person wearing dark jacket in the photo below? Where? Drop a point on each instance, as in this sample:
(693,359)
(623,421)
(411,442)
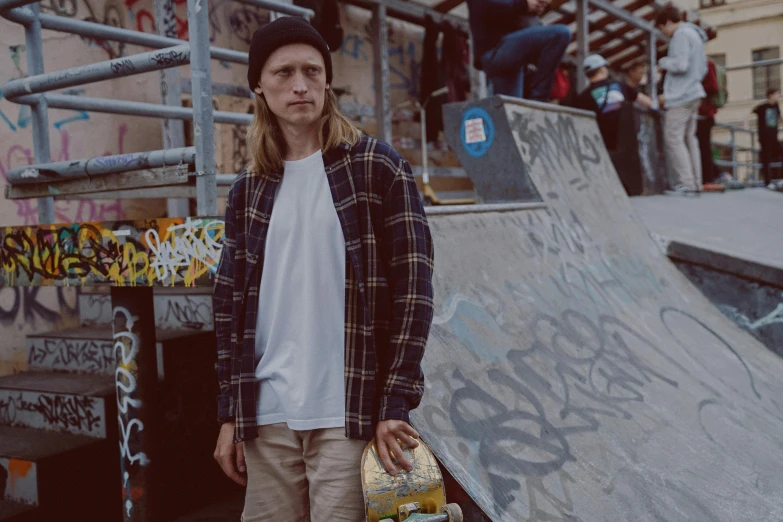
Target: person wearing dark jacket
(768,116)
(508,36)
(706,121)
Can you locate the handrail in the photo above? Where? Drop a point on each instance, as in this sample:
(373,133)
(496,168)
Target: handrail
(78,169)
(129,108)
(25,16)
(94,72)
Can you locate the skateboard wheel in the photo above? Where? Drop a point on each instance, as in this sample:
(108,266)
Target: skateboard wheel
(453,511)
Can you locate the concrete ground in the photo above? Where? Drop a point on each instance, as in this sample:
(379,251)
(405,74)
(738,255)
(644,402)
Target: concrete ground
(747,223)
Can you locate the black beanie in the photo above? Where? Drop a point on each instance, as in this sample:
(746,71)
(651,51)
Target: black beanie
(283,31)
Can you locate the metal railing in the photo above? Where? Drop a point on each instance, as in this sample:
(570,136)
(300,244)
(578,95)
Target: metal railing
(35,91)
(734,148)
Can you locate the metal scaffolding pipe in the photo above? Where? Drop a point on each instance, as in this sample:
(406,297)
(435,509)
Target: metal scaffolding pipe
(203,119)
(130,108)
(6,5)
(652,77)
(94,72)
(380,25)
(760,63)
(24,16)
(278,7)
(582,44)
(40,112)
(627,17)
(84,168)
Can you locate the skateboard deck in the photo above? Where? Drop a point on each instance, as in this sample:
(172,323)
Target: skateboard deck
(418,495)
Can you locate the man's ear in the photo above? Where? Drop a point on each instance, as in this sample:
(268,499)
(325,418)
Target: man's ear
(257,90)
(327,86)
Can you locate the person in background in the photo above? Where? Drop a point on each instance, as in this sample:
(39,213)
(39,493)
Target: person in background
(768,118)
(508,36)
(323,295)
(635,75)
(685,68)
(605,97)
(707,111)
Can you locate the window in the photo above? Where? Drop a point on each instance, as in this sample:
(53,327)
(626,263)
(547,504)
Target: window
(719,59)
(766,76)
(704,4)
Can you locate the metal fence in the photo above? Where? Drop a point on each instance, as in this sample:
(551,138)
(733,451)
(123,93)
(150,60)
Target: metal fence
(734,149)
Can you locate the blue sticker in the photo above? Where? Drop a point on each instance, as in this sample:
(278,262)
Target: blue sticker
(477,131)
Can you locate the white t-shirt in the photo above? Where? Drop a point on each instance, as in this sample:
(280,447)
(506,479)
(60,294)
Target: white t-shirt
(300,331)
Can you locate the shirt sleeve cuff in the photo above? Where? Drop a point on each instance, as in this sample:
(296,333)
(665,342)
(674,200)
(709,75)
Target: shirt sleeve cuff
(393,408)
(225,409)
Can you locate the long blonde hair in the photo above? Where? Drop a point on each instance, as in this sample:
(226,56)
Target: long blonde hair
(268,146)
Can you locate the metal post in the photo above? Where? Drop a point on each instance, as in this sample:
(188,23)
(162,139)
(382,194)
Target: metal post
(383,115)
(425,175)
(733,142)
(652,59)
(203,122)
(478,80)
(582,43)
(35,65)
(171,94)
(753,155)
(136,380)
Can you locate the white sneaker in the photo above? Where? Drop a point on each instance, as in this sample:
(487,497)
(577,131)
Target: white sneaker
(679,190)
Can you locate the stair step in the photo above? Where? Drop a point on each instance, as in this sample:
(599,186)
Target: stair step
(83,350)
(88,349)
(16,512)
(179,308)
(61,472)
(78,404)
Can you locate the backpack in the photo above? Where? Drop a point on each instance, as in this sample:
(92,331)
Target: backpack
(720,98)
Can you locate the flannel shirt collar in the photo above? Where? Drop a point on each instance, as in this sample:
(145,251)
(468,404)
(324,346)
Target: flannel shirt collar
(330,156)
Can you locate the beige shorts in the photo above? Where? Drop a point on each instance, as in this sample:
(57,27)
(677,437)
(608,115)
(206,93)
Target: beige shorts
(299,476)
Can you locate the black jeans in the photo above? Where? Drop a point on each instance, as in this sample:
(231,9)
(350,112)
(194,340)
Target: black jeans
(703,133)
(771,152)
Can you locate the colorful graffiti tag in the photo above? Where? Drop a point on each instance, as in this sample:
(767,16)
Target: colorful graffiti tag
(156,252)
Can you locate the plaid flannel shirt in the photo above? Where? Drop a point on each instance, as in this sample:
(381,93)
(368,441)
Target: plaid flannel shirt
(388,288)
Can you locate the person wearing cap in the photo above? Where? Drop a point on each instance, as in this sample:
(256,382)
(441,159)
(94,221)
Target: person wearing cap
(606,96)
(323,295)
(508,36)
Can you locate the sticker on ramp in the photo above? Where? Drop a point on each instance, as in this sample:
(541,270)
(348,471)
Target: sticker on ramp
(477,131)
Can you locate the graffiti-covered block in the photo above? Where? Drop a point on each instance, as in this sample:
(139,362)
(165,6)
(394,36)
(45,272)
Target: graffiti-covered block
(157,252)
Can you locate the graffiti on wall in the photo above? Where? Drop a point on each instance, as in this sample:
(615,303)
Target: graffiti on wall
(126,345)
(163,252)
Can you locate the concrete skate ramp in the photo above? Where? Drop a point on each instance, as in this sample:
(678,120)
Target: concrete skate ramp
(573,373)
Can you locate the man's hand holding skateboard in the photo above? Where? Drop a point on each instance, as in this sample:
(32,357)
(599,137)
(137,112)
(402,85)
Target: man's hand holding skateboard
(387,435)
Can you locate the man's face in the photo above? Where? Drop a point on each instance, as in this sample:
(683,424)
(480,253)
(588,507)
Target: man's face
(293,81)
(637,72)
(774,97)
(668,29)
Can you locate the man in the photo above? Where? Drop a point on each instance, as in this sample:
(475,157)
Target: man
(605,97)
(323,296)
(685,68)
(768,117)
(707,111)
(508,36)
(635,75)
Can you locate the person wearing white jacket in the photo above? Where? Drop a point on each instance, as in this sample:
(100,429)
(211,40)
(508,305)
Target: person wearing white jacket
(685,66)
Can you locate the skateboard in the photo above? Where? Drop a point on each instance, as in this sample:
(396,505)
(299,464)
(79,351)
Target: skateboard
(415,496)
